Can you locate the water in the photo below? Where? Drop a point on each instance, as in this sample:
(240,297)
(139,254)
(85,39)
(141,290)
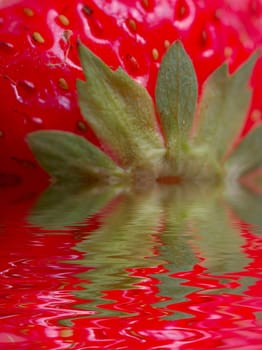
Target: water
(174,268)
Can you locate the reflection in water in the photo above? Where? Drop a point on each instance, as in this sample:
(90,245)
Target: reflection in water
(124,241)
(172,268)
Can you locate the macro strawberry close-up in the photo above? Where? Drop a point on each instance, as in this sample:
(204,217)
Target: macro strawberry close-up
(39,61)
(130,174)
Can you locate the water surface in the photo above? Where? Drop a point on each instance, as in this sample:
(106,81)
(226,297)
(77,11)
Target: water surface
(174,268)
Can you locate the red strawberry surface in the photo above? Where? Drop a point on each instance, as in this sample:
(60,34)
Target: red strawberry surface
(39,62)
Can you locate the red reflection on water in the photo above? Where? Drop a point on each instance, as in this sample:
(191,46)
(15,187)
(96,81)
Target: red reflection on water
(39,307)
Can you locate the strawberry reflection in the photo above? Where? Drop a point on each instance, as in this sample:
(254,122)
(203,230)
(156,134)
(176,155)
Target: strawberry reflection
(175,227)
(155,259)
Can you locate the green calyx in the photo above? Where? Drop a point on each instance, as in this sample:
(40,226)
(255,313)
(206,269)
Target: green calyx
(123,116)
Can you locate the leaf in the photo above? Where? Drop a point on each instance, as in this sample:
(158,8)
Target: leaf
(247,156)
(63,205)
(120,111)
(69,157)
(176,96)
(223,108)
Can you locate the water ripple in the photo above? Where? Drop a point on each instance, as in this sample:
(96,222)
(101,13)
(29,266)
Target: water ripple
(160,271)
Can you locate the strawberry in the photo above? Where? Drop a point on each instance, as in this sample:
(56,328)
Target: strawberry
(39,61)
(193,149)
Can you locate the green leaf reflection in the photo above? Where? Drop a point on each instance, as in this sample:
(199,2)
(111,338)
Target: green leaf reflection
(125,241)
(63,205)
(170,226)
(198,226)
(247,206)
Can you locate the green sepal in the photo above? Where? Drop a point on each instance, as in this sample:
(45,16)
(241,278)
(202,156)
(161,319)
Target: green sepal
(69,157)
(247,156)
(223,108)
(120,111)
(176,96)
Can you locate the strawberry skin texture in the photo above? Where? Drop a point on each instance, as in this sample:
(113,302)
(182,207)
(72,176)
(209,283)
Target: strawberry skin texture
(39,62)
